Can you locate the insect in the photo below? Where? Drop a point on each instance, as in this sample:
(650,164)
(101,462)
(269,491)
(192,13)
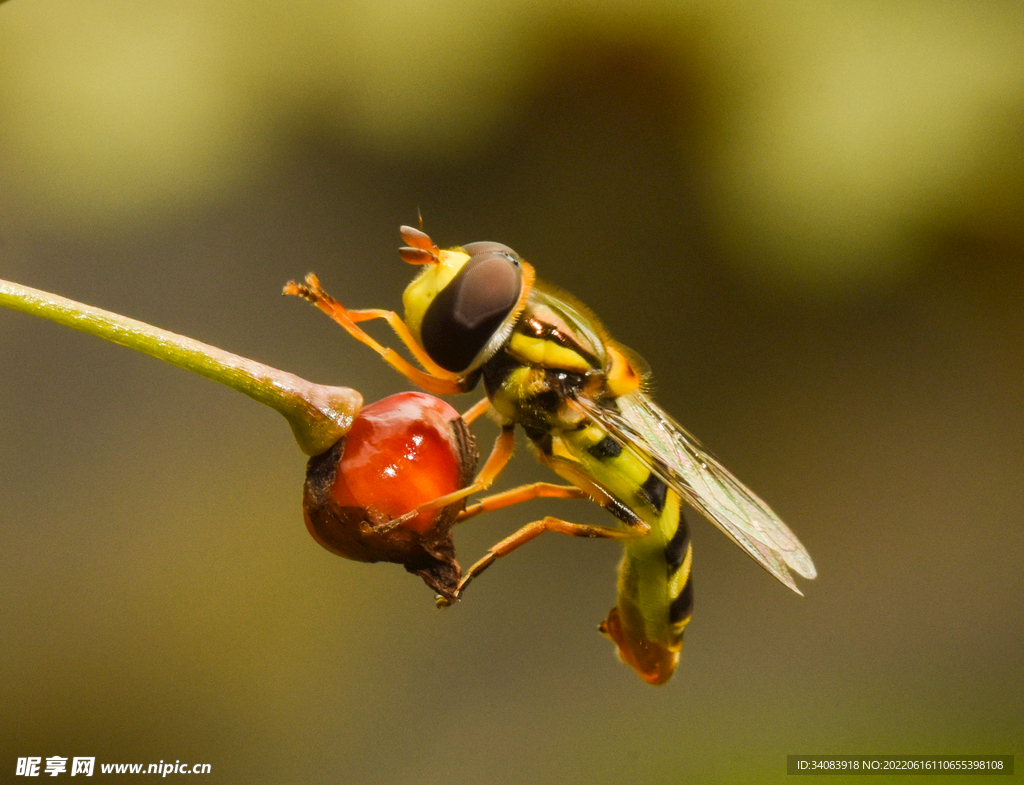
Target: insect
(477,313)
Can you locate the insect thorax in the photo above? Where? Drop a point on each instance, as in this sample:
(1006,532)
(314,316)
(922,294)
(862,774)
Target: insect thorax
(554,354)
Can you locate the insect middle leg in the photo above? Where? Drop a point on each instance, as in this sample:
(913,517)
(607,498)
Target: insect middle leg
(524,493)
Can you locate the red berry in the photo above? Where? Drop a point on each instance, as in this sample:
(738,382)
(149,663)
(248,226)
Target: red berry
(400,453)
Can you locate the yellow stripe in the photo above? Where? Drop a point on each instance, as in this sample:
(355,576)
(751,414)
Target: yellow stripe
(678,581)
(540,351)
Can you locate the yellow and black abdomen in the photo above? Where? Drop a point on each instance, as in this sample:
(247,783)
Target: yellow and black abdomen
(655,595)
(655,590)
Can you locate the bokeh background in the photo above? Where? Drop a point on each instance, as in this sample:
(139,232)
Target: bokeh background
(807,216)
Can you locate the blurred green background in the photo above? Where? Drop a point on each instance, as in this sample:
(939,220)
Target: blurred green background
(807,216)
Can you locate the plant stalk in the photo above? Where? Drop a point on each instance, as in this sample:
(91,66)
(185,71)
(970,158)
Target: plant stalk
(318,415)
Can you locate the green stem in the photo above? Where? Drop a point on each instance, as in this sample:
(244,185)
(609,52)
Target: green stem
(318,415)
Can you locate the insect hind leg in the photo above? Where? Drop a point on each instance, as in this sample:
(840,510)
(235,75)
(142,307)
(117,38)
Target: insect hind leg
(530,532)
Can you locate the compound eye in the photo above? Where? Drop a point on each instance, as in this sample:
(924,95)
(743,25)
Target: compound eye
(469,310)
(486,246)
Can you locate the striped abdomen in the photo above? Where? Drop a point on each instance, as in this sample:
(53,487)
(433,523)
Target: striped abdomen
(655,591)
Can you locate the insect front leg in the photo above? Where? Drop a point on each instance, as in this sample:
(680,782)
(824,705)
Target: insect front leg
(531,531)
(435,379)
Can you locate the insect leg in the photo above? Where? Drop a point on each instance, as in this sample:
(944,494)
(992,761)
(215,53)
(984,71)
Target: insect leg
(531,531)
(524,493)
(435,379)
(474,411)
(496,462)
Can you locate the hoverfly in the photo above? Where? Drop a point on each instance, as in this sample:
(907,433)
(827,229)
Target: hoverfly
(477,312)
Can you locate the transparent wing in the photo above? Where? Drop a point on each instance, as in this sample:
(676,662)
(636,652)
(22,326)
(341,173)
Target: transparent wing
(680,461)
